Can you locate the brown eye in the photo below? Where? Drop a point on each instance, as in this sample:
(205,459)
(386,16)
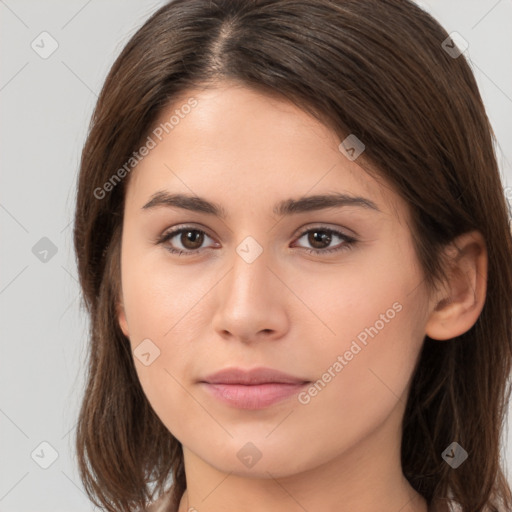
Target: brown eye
(320,238)
(188,240)
(192,239)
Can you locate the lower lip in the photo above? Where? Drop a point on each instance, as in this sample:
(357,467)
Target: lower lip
(256,396)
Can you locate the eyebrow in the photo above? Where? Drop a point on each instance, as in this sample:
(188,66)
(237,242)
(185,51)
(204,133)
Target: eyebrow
(286,207)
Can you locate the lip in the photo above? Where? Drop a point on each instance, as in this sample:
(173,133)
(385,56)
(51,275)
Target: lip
(253,376)
(252,389)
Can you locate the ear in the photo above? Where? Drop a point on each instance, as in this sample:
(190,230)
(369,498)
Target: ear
(457,308)
(121,318)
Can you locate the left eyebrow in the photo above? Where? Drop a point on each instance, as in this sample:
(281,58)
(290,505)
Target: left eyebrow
(286,207)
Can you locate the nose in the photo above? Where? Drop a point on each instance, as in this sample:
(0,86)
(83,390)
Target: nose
(252,300)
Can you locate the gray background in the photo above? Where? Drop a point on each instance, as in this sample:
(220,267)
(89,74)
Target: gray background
(45,107)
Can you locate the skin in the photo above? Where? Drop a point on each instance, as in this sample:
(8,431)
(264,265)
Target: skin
(288,309)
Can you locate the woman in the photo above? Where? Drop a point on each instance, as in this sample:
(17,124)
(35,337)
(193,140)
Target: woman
(293,245)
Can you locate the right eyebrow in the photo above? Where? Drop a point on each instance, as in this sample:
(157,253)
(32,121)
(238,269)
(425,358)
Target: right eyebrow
(286,207)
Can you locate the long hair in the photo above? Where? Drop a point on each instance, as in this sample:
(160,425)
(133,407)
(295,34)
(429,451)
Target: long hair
(378,69)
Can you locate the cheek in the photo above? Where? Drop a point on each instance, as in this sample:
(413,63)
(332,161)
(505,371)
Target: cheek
(362,376)
(343,301)
(160,298)
(370,316)
(159,307)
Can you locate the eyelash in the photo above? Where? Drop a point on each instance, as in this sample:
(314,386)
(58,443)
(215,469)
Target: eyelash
(348,244)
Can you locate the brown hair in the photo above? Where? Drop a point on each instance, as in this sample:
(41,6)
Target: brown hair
(373,68)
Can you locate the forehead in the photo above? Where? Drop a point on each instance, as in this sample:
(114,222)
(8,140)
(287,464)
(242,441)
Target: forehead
(237,138)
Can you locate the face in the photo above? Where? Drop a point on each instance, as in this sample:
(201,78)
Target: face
(331,294)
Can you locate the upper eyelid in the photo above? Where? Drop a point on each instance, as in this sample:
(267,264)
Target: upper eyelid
(299,233)
(342,231)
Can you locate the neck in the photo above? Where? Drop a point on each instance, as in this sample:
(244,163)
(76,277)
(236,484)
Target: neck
(261,498)
(367,477)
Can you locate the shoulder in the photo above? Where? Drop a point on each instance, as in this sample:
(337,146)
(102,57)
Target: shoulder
(445,505)
(163,504)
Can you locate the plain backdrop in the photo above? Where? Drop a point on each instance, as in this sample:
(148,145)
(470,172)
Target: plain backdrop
(45,106)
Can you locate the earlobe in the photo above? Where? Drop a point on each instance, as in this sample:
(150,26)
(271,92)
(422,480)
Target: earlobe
(457,308)
(121,317)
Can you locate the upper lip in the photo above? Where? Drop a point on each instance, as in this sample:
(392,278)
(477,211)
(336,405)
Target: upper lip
(254,376)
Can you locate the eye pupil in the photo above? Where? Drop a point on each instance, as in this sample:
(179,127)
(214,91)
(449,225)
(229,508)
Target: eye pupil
(192,238)
(324,237)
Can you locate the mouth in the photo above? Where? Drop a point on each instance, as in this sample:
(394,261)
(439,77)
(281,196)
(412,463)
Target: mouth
(252,389)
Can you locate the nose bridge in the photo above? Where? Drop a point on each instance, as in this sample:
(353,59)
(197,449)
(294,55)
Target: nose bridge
(249,298)
(250,274)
